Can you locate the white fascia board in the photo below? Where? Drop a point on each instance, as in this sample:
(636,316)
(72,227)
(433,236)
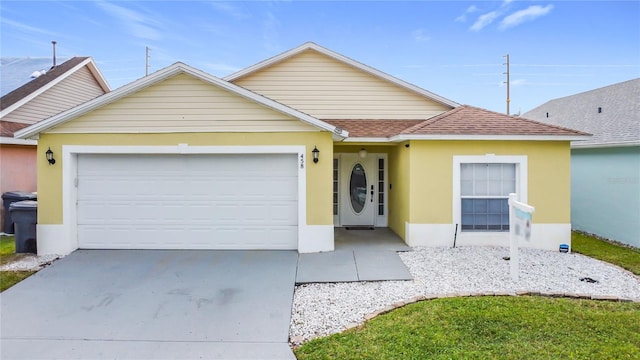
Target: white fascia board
(615,144)
(404,137)
(344,59)
(41,90)
(95,71)
(367,139)
(13,141)
(161,75)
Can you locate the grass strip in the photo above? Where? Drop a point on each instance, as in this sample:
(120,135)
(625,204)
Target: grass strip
(625,257)
(490,328)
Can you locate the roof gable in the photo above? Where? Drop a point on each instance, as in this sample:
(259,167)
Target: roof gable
(610,113)
(22,95)
(310,46)
(158,77)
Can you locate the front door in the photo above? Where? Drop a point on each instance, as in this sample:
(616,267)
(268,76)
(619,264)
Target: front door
(357,190)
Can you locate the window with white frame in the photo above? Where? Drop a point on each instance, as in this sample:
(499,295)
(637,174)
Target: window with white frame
(484,193)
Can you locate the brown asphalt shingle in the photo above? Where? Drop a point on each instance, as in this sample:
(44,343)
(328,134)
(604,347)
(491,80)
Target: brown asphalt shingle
(374,128)
(7,128)
(463,120)
(35,84)
(469,120)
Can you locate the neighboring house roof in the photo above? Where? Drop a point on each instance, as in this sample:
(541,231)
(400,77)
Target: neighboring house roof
(463,122)
(610,113)
(7,128)
(17,71)
(368,69)
(163,74)
(16,98)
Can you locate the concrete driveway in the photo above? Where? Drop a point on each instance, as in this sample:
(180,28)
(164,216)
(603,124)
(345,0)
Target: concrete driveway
(153,304)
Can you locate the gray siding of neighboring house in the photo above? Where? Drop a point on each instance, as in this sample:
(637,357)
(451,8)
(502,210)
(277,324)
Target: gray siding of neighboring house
(605,194)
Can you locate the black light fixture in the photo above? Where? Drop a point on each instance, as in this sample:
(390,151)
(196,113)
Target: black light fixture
(316,154)
(50,158)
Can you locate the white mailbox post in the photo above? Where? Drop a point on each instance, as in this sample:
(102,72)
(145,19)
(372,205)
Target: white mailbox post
(519,228)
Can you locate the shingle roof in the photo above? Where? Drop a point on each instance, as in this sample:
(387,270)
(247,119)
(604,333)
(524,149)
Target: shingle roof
(35,84)
(17,71)
(469,120)
(7,128)
(374,128)
(463,120)
(617,122)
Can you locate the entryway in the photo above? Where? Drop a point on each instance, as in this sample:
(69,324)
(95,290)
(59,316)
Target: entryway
(360,255)
(360,190)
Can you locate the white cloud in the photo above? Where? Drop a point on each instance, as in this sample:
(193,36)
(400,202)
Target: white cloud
(270,33)
(231,10)
(521,16)
(27,28)
(136,22)
(470,10)
(420,35)
(484,20)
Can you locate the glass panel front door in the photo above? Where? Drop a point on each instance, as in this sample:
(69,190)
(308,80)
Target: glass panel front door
(358,188)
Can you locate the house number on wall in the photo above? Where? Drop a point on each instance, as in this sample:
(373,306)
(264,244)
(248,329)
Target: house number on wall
(301,161)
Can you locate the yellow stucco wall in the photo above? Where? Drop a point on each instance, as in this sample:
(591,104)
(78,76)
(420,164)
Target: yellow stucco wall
(399,194)
(319,184)
(431,177)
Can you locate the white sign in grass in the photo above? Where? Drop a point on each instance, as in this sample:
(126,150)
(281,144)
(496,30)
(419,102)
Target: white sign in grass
(519,229)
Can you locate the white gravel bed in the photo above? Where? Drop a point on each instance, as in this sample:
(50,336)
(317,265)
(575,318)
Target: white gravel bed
(30,262)
(324,309)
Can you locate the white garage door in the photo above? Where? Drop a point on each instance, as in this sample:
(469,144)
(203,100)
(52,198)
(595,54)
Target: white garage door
(187,201)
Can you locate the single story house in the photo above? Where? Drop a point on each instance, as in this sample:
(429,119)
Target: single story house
(605,169)
(277,155)
(60,88)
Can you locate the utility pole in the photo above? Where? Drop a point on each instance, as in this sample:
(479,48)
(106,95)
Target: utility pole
(507,73)
(146,68)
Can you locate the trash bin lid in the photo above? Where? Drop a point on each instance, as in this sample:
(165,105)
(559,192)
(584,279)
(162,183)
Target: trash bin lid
(19,195)
(24,205)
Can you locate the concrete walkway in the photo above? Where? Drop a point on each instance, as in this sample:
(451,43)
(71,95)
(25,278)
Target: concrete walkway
(130,304)
(360,255)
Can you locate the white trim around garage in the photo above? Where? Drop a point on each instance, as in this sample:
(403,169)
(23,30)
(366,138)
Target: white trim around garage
(50,236)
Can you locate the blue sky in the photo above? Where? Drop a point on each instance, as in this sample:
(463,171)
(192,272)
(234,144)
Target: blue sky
(452,48)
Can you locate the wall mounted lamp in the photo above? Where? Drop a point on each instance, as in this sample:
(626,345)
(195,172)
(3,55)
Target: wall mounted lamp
(50,158)
(316,154)
(362,153)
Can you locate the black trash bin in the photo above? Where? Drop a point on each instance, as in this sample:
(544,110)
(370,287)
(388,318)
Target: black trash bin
(25,216)
(9,198)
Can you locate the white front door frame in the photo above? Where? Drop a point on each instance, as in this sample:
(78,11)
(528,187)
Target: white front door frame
(346,215)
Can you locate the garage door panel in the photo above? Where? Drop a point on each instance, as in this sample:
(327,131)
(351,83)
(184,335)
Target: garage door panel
(187,201)
(189,238)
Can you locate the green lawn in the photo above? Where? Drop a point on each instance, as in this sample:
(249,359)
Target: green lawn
(7,254)
(625,257)
(490,328)
(499,327)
